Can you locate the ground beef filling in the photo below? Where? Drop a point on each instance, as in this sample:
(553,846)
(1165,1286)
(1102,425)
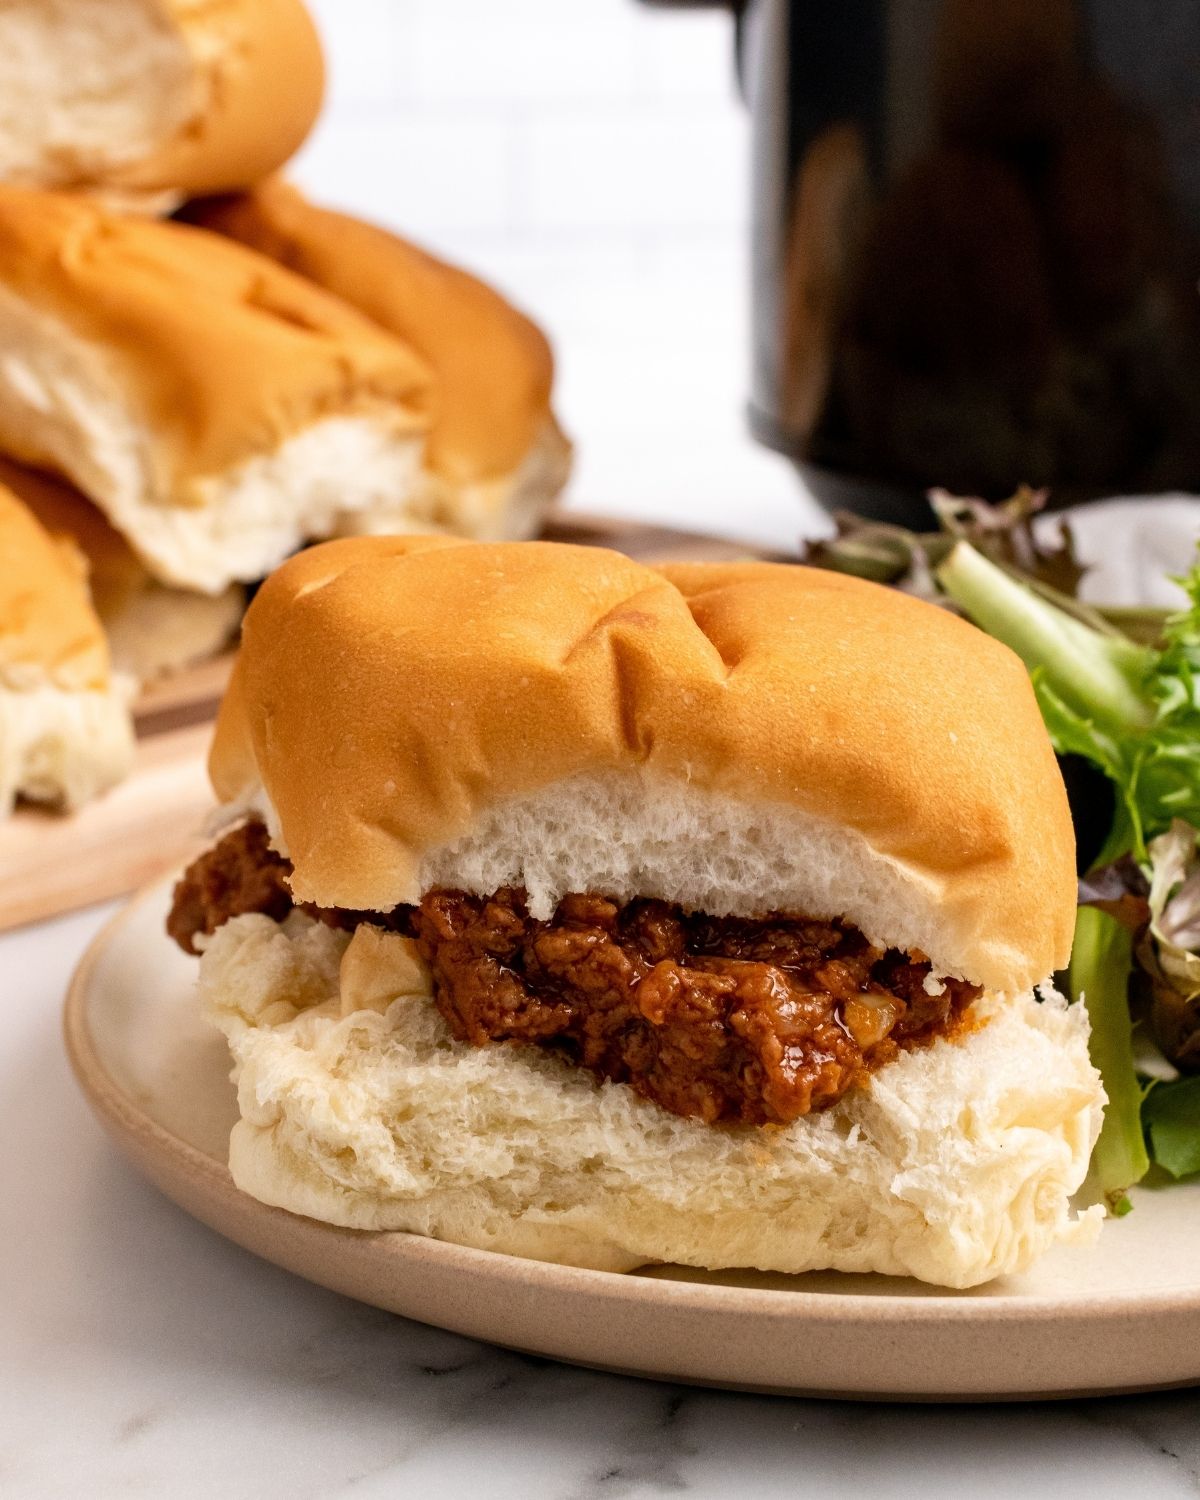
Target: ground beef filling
(717,1018)
(240,874)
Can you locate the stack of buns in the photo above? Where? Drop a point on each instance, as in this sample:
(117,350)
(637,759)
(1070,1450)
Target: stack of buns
(192,399)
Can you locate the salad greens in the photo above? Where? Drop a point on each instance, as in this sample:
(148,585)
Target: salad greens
(1101,961)
(1005,533)
(1133,710)
(1121,689)
(1172,1116)
(907,560)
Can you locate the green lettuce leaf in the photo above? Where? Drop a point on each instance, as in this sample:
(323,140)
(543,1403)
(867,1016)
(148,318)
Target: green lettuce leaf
(1133,710)
(1099,675)
(1101,957)
(1165,782)
(1172,1118)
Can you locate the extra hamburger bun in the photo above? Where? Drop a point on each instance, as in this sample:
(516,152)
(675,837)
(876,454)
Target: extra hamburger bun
(152,101)
(219,409)
(65,733)
(496,458)
(409,714)
(152,629)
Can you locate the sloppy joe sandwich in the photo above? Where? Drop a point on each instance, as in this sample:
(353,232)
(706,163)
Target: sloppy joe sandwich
(496,458)
(65,732)
(152,101)
(219,409)
(608,914)
(151,628)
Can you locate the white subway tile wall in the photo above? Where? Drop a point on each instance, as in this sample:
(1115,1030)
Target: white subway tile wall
(591,158)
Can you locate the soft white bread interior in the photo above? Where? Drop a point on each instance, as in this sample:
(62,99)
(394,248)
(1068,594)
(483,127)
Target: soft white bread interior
(496,458)
(65,732)
(152,629)
(153,101)
(733,737)
(633,833)
(955,1165)
(219,409)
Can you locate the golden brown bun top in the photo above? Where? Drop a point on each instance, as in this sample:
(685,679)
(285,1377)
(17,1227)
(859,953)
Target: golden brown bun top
(48,628)
(259,82)
(113,568)
(227,354)
(390,690)
(493,367)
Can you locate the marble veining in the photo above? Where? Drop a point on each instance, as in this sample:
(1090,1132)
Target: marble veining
(1155,1420)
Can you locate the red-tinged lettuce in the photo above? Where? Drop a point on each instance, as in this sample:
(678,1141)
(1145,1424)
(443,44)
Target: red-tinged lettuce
(1169,946)
(907,560)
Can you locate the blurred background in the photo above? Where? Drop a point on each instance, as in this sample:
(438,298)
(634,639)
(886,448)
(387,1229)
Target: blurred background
(592,160)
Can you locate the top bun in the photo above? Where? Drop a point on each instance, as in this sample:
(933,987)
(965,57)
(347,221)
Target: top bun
(739,738)
(153,101)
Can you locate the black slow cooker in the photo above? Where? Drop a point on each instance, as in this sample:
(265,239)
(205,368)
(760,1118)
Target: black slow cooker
(976,245)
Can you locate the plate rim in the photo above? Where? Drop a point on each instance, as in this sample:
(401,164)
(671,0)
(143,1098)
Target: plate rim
(122,1115)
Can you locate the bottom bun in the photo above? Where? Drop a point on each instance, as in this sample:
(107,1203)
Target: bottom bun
(955,1165)
(511,507)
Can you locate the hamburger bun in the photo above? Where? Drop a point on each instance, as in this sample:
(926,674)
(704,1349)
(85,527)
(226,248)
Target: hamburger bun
(411,714)
(65,732)
(219,409)
(955,1165)
(153,101)
(496,458)
(152,629)
(733,737)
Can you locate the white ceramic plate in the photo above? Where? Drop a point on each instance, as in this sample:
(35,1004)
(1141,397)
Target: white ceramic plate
(1124,1315)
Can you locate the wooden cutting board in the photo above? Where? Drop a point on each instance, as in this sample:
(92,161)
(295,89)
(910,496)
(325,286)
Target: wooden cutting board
(153,821)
